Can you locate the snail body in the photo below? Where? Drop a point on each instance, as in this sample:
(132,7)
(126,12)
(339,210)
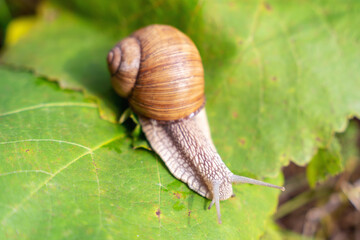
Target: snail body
(159,70)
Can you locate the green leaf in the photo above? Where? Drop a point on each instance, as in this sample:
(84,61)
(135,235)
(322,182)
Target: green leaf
(139,139)
(72,54)
(349,141)
(4,20)
(278,84)
(325,163)
(121,15)
(4,15)
(341,153)
(65,173)
(293,82)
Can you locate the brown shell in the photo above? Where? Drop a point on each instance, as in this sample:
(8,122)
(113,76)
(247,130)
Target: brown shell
(170,82)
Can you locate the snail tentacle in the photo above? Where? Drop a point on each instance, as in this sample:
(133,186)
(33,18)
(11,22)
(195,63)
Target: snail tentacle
(216,198)
(241,179)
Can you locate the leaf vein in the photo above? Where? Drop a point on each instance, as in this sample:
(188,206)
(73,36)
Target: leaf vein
(49,105)
(99,191)
(46,140)
(25,171)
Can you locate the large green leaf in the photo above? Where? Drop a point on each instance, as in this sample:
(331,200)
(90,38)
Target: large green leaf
(66,173)
(281,78)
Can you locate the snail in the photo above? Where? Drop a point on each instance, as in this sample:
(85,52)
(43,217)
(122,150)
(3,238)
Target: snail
(159,70)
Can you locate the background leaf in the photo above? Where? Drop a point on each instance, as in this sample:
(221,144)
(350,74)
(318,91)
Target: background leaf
(326,162)
(4,20)
(67,59)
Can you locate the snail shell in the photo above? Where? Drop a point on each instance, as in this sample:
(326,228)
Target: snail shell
(159,70)
(169,76)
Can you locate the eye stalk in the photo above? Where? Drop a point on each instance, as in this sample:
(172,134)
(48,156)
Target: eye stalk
(234,179)
(241,179)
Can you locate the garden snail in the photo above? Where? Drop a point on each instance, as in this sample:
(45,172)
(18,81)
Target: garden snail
(159,70)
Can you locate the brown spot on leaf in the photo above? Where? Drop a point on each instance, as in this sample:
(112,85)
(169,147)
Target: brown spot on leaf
(267,6)
(27,150)
(158,212)
(242,141)
(235,114)
(189,213)
(177,195)
(318,139)
(274,79)
(232,4)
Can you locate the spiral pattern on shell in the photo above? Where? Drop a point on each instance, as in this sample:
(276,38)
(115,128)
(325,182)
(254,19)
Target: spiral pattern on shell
(124,61)
(159,70)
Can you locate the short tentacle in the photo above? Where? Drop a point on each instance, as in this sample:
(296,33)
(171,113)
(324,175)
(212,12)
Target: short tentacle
(216,199)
